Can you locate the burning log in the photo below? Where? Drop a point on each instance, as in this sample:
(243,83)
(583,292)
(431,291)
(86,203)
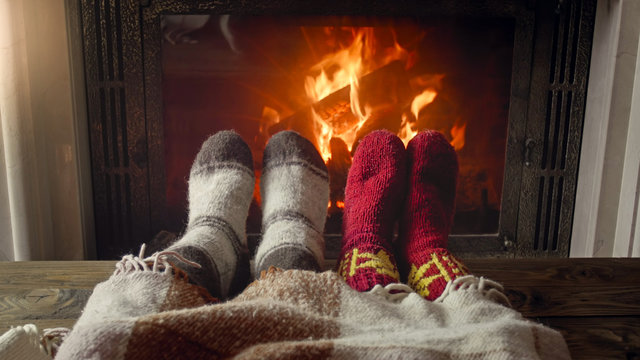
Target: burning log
(385,87)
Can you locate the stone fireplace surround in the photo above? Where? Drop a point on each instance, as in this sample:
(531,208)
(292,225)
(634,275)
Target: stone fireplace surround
(607,196)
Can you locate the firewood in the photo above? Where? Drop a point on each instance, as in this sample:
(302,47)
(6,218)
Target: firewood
(384,87)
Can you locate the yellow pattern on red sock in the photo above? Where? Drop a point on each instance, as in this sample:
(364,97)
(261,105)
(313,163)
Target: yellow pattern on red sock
(430,278)
(363,269)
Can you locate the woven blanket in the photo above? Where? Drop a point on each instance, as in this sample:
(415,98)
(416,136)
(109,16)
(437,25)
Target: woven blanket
(299,314)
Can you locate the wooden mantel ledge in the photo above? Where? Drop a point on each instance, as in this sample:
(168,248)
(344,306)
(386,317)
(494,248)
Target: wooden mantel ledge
(595,303)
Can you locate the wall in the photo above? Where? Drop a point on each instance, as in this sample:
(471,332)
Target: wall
(607,195)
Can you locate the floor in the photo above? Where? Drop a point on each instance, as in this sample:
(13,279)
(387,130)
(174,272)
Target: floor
(595,303)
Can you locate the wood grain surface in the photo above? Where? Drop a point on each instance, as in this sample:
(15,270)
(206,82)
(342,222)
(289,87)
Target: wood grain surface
(615,337)
(47,293)
(595,303)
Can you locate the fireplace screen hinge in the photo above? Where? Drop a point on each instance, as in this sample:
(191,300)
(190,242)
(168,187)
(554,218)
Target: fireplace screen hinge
(529,144)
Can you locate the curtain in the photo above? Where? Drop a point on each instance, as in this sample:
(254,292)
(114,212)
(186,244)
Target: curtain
(39,201)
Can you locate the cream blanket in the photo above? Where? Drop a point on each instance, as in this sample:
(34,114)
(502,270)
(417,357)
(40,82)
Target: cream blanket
(146,313)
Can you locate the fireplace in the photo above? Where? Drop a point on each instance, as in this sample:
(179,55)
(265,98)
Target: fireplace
(504,81)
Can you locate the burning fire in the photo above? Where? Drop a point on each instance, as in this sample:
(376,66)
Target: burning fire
(338,70)
(346,67)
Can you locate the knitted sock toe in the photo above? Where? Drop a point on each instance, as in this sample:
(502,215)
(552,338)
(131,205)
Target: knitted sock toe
(221,186)
(373,198)
(428,215)
(294,187)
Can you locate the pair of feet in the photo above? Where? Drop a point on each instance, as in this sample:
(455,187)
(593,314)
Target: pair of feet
(385,183)
(294,189)
(414,187)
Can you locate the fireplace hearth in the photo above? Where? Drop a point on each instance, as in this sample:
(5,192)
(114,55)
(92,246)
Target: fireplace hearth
(505,81)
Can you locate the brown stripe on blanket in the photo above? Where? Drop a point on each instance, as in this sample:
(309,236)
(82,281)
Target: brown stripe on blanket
(227,329)
(183,295)
(299,288)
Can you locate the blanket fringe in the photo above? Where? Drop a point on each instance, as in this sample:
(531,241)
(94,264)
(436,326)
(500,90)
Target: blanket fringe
(394,292)
(488,288)
(157,262)
(52,339)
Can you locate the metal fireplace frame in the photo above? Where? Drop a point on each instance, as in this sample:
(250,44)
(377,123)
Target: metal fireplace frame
(552,47)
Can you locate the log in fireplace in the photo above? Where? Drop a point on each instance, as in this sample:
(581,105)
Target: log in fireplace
(505,81)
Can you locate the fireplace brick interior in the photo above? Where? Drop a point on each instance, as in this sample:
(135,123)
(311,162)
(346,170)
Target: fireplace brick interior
(505,82)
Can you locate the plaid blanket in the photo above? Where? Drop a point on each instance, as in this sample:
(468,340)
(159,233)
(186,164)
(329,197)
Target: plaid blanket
(149,313)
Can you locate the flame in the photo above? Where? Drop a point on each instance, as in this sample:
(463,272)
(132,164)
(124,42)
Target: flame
(406,133)
(423,99)
(337,70)
(323,133)
(344,68)
(270,117)
(340,204)
(457,136)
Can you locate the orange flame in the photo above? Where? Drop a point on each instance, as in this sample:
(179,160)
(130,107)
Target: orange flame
(323,132)
(406,133)
(421,101)
(269,117)
(345,67)
(338,70)
(457,136)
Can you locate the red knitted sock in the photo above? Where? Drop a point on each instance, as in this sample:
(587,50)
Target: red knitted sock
(373,198)
(428,214)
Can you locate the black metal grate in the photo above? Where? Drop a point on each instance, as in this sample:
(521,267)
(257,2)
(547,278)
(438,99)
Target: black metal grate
(105,75)
(558,130)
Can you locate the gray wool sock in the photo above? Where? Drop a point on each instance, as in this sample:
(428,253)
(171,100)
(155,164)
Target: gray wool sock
(294,188)
(221,186)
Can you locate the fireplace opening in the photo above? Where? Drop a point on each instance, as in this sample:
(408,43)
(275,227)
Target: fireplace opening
(505,81)
(334,79)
